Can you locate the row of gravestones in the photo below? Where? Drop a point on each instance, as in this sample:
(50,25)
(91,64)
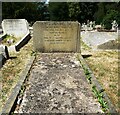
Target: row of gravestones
(91,25)
(49,36)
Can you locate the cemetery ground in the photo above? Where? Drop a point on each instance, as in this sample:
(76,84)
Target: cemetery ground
(104,65)
(12,69)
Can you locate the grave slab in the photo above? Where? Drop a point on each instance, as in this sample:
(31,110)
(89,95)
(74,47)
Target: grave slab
(53,36)
(57,84)
(100,40)
(16,27)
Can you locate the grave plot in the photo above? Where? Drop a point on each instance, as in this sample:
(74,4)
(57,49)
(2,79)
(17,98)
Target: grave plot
(57,84)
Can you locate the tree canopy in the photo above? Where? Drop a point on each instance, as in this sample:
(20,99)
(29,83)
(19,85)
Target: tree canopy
(31,11)
(100,12)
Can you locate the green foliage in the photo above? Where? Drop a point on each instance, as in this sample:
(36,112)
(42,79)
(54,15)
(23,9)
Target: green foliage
(98,94)
(100,12)
(100,98)
(42,11)
(31,11)
(106,13)
(74,10)
(110,16)
(58,11)
(88,9)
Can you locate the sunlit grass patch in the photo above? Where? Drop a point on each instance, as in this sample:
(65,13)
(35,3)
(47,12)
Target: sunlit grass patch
(104,65)
(12,68)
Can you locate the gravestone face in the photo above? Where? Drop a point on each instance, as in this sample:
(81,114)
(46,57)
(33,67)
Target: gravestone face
(53,36)
(15,27)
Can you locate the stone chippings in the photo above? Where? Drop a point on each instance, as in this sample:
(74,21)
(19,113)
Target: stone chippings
(57,84)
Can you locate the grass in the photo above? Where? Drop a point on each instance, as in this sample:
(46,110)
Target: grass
(104,65)
(98,94)
(11,70)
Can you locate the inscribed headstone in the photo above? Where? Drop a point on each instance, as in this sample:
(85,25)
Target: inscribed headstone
(15,27)
(56,36)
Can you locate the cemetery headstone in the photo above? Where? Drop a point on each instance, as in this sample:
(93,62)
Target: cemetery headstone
(54,36)
(114,25)
(83,26)
(15,27)
(91,24)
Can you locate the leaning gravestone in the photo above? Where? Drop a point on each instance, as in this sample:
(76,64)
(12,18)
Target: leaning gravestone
(15,27)
(54,36)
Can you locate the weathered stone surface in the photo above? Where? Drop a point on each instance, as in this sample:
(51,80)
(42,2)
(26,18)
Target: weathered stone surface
(112,44)
(22,42)
(53,36)
(15,27)
(57,87)
(100,40)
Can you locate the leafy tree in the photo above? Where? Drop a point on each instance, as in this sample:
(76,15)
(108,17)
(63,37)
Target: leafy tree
(58,11)
(88,9)
(107,12)
(100,13)
(31,11)
(42,11)
(110,16)
(74,10)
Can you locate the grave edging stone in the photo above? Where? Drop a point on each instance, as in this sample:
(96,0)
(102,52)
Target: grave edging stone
(111,107)
(13,97)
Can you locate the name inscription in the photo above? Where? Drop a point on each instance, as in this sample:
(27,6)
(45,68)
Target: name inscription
(55,33)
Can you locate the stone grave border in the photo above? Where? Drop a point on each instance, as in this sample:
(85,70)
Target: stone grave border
(96,83)
(12,100)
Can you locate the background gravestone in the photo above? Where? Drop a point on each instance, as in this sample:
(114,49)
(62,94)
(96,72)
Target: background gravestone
(15,27)
(54,36)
